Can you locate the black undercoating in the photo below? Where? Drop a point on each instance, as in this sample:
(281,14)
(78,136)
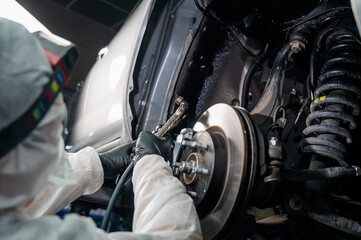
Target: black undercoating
(212,73)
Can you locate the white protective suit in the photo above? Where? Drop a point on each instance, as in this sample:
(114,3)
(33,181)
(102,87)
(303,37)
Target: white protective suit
(39,169)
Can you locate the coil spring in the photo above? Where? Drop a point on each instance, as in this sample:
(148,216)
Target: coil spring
(335,105)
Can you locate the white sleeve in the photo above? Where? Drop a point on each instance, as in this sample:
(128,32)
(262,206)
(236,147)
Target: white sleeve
(89,174)
(162,207)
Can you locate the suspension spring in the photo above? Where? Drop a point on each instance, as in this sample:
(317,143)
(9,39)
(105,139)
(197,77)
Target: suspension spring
(335,106)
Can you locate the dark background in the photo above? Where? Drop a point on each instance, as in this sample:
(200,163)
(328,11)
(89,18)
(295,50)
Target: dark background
(90,24)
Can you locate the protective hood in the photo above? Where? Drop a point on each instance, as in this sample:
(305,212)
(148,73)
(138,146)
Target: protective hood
(40,158)
(24,71)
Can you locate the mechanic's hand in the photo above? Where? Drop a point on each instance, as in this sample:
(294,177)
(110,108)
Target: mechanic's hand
(148,144)
(116,161)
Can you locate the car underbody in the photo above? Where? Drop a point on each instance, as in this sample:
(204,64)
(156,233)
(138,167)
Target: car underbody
(268,147)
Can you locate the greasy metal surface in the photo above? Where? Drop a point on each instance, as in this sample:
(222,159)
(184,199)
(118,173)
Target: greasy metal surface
(192,177)
(185,133)
(224,119)
(207,162)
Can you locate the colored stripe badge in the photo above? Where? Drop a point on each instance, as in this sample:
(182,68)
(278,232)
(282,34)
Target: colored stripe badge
(44,103)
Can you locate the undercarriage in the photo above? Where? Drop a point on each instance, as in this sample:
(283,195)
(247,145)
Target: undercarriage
(269,148)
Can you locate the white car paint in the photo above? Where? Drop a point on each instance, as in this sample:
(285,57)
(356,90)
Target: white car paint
(103,114)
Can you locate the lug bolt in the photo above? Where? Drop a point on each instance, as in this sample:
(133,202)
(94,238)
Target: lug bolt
(201,171)
(176,164)
(193,144)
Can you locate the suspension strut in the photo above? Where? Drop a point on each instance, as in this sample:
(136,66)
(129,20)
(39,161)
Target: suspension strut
(336,94)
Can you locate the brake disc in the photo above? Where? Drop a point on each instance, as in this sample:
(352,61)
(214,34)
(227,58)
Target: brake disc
(221,176)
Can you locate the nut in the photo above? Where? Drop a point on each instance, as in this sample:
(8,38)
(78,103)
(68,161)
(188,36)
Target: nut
(297,46)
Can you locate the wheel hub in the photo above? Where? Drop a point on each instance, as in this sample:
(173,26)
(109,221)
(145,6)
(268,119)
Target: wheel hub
(220,175)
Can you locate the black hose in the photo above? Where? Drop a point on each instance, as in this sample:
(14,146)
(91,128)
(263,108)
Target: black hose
(318,174)
(252,69)
(115,194)
(314,59)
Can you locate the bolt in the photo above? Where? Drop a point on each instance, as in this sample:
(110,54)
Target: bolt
(273,141)
(186,167)
(297,46)
(235,102)
(250,96)
(194,144)
(179,100)
(175,172)
(79,86)
(176,164)
(202,171)
(293,91)
(358,170)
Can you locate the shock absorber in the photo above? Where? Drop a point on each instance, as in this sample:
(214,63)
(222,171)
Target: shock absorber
(336,94)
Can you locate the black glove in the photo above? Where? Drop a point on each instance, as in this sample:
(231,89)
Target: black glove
(116,161)
(148,144)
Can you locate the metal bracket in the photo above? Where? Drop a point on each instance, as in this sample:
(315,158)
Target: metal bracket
(186,134)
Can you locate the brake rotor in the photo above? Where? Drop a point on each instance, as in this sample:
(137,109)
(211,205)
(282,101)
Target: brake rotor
(221,176)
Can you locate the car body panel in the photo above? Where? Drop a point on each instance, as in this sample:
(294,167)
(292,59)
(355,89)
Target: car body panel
(103,116)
